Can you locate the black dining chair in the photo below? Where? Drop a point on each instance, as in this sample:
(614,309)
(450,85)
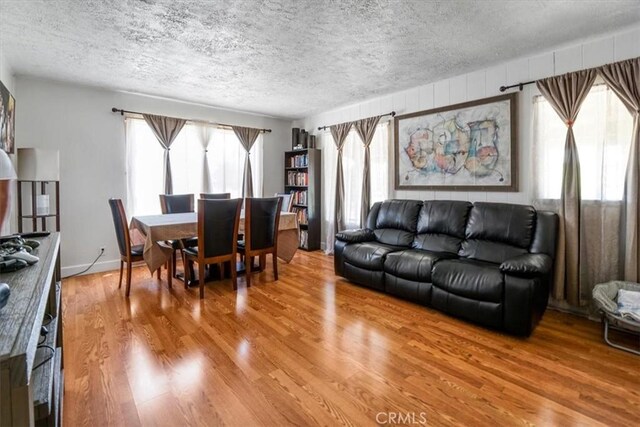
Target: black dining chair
(128,254)
(215,196)
(176,203)
(287,201)
(173,204)
(218,222)
(261,216)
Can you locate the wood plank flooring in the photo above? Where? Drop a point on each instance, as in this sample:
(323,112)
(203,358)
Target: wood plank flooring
(313,349)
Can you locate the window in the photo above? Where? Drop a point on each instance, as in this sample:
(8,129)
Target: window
(145,164)
(353,169)
(602,131)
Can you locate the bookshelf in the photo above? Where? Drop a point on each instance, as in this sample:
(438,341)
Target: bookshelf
(302,178)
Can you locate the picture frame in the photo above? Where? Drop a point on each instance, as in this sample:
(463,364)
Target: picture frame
(471,146)
(7,120)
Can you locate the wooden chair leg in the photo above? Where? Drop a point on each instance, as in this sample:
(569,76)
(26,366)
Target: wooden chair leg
(263,262)
(173,262)
(234,274)
(128,279)
(275,265)
(247,266)
(188,269)
(121,268)
(170,272)
(159,272)
(201,278)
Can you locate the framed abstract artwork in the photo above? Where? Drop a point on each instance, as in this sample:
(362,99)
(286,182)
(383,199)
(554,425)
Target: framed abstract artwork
(463,147)
(7,120)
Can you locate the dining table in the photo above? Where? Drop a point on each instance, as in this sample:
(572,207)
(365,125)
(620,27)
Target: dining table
(156,229)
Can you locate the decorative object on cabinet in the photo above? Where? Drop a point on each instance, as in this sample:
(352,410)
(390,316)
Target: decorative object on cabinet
(466,147)
(7,174)
(7,120)
(302,178)
(40,168)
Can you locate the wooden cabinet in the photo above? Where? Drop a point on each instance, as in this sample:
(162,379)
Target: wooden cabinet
(303,178)
(31,359)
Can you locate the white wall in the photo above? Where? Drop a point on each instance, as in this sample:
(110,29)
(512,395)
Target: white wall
(618,46)
(78,121)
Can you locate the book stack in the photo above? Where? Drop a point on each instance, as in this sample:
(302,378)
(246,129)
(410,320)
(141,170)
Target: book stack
(302,215)
(297,178)
(304,239)
(299,197)
(299,161)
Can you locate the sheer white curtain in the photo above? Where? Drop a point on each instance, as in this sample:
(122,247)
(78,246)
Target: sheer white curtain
(225,161)
(186,161)
(602,131)
(353,165)
(144,168)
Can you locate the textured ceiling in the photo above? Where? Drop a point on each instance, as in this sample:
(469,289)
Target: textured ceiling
(285,58)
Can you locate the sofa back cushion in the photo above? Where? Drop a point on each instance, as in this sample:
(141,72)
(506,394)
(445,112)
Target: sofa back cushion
(496,232)
(397,221)
(441,225)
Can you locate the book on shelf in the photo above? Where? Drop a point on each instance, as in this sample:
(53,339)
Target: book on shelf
(302,215)
(299,161)
(297,178)
(304,238)
(299,197)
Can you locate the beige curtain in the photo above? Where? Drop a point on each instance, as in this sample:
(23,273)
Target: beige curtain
(366,129)
(624,79)
(247,137)
(339,134)
(565,94)
(166,129)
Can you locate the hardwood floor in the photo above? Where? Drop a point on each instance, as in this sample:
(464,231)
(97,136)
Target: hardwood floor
(314,349)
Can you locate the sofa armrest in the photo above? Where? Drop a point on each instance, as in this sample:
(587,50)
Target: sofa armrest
(356,236)
(528,265)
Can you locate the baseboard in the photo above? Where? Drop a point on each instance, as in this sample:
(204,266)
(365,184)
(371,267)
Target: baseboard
(97,267)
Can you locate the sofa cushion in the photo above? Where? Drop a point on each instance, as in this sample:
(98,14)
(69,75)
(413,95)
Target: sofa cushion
(369,255)
(396,222)
(413,264)
(392,236)
(501,222)
(470,279)
(441,225)
(399,214)
(485,250)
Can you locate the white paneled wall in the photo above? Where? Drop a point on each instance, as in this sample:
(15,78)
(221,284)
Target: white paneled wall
(485,83)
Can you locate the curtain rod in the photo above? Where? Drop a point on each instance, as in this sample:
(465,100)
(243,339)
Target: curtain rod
(521,85)
(392,114)
(518,85)
(122,112)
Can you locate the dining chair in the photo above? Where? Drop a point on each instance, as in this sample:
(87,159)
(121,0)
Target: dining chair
(215,196)
(218,222)
(176,203)
(173,204)
(261,216)
(287,201)
(128,254)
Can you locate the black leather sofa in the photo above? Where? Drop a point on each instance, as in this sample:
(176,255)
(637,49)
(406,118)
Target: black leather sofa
(490,263)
